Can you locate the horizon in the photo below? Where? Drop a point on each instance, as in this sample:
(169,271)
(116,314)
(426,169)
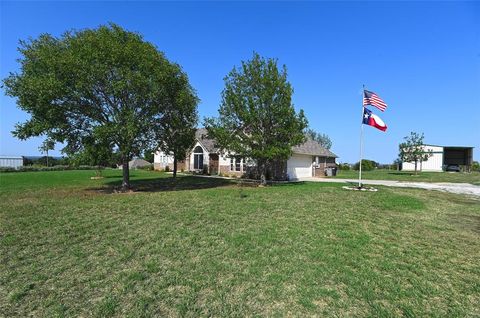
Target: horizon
(422,58)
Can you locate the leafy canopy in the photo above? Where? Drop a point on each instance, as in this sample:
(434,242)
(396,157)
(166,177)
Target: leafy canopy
(102,87)
(323,139)
(257,118)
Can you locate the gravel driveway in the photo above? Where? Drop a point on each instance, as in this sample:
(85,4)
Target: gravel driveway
(459,188)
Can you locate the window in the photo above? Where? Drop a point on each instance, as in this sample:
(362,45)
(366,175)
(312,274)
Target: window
(198,158)
(238,162)
(235,164)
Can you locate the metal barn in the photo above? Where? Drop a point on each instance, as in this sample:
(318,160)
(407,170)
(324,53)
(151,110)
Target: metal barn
(11,161)
(442,157)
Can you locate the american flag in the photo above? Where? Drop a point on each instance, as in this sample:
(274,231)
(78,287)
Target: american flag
(370,98)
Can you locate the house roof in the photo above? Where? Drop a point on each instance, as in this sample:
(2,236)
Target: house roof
(207,143)
(137,163)
(310,147)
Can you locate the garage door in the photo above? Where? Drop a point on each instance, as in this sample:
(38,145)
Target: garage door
(299,166)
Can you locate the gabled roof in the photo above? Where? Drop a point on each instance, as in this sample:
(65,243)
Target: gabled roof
(310,147)
(137,163)
(207,143)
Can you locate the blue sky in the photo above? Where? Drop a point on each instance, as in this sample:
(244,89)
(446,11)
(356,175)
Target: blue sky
(423,58)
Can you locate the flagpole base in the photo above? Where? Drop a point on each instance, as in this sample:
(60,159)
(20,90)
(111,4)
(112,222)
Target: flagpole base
(361,188)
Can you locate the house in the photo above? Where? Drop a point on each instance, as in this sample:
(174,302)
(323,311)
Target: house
(308,160)
(443,156)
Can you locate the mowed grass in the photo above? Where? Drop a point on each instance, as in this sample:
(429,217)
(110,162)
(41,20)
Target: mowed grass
(409,176)
(206,247)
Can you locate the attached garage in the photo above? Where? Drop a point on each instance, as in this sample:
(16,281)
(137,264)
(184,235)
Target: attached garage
(300,166)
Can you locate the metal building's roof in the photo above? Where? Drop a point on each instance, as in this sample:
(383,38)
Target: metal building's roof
(11,157)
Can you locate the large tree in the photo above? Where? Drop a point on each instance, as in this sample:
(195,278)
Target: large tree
(257,119)
(105,86)
(413,149)
(322,139)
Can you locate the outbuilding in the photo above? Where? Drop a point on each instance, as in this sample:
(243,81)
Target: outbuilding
(11,161)
(442,157)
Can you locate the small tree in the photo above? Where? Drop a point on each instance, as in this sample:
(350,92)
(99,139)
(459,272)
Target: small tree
(179,125)
(105,86)
(257,118)
(47,145)
(475,166)
(413,149)
(322,139)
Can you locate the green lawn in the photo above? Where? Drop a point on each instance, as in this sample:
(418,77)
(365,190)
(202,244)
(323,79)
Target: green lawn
(384,174)
(207,247)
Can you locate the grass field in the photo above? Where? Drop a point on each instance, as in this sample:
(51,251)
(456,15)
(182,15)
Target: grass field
(206,247)
(384,174)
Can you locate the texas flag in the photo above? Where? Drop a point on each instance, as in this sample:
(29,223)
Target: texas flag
(371,119)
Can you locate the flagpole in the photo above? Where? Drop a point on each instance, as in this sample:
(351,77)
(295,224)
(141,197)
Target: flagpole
(361,142)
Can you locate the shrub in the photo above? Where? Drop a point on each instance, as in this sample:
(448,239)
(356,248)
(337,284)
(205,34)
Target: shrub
(54,168)
(367,165)
(147,167)
(475,166)
(167,169)
(8,169)
(344,166)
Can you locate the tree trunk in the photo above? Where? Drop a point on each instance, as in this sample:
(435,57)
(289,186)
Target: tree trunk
(174,166)
(263,173)
(126,175)
(415,167)
(47,157)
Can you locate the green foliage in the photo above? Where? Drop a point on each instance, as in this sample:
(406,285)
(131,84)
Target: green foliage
(42,161)
(51,168)
(344,166)
(256,116)
(103,87)
(367,165)
(148,155)
(179,123)
(322,139)
(475,166)
(95,154)
(413,150)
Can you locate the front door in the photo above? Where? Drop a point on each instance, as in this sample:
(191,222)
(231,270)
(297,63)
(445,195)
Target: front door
(213,163)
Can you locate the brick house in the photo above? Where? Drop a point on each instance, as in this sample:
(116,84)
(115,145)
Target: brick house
(308,160)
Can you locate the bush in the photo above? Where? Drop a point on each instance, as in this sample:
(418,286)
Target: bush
(167,169)
(367,165)
(54,168)
(344,166)
(475,166)
(8,169)
(147,167)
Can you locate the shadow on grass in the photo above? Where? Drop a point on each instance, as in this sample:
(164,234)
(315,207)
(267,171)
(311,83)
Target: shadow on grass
(180,183)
